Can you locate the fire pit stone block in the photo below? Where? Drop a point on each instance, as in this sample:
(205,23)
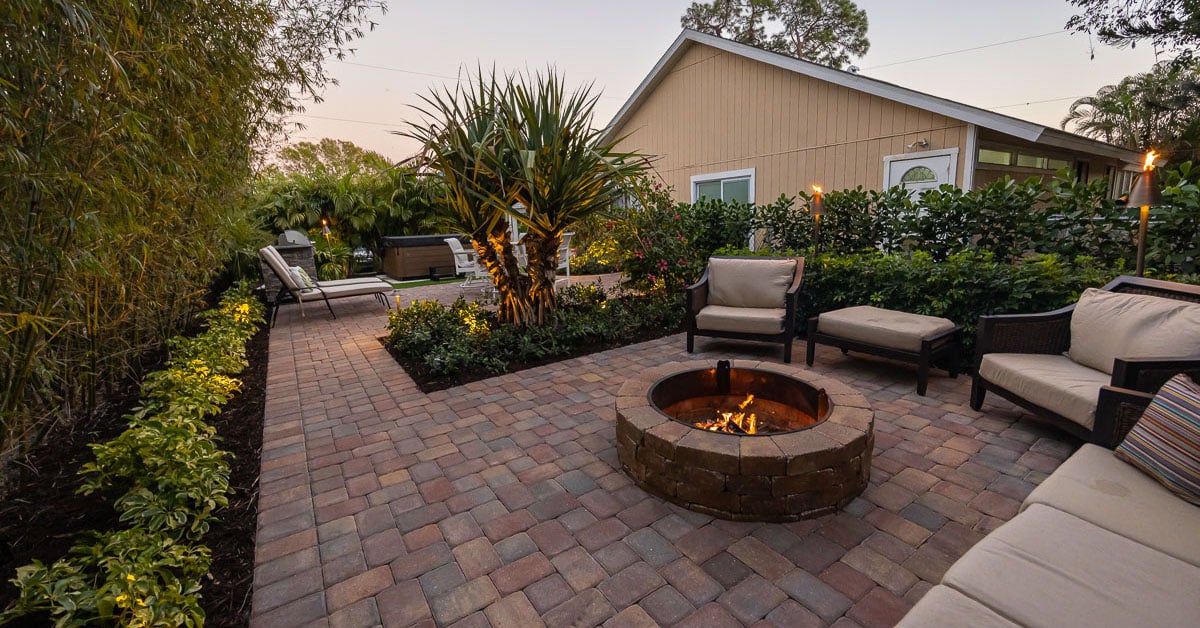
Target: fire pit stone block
(779,477)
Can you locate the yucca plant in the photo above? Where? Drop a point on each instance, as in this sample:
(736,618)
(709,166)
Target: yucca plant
(463,144)
(527,140)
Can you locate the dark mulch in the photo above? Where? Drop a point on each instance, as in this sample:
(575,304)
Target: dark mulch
(42,515)
(428,382)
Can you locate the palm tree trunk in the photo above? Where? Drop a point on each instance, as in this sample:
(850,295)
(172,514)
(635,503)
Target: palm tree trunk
(543,265)
(496,256)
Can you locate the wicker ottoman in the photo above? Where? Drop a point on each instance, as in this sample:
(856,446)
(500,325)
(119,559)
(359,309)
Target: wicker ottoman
(922,340)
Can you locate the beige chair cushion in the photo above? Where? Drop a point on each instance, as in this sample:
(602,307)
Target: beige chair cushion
(347,290)
(745,320)
(1097,487)
(749,281)
(1049,568)
(942,607)
(882,328)
(275,261)
(1053,382)
(1109,325)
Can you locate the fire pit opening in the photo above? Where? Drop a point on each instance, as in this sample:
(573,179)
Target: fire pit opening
(746,402)
(762,442)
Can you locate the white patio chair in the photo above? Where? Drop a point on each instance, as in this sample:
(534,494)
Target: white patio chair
(564,258)
(465,264)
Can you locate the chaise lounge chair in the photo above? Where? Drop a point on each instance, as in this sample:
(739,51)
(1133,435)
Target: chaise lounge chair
(320,290)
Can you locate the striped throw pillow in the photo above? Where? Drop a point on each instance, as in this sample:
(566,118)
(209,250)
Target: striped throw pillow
(1165,442)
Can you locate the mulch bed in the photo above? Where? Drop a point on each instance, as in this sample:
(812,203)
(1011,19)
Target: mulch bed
(42,516)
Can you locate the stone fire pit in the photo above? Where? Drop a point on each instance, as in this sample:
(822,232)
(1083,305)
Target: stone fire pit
(816,467)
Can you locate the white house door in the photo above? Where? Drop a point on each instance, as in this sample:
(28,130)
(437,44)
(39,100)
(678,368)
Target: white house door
(917,172)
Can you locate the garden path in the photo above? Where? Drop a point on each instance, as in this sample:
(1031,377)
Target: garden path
(501,502)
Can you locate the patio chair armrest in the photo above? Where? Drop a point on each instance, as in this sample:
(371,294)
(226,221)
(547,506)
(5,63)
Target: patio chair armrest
(697,295)
(1117,409)
(1048,332)
(793,292)
(1149,374)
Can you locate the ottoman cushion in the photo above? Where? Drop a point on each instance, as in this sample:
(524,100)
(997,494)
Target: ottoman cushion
(882,328)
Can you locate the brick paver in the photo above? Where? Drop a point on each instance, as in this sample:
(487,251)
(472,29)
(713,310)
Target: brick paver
(502,501)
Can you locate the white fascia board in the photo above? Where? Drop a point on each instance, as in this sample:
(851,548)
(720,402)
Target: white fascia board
(1075,143)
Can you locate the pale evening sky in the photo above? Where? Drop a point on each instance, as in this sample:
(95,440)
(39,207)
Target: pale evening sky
(615,43)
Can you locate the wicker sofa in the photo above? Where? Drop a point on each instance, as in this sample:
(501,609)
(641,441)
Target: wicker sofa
(747,298)
(1097,543)
(1090,367)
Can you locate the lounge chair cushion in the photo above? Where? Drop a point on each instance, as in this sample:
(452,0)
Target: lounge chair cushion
(1165,442)
(1100,489)
(1109,325)
(942,606)
(744,320)
(1054,382)
(749,282)
(346,290)
(1049,568)
(882,328)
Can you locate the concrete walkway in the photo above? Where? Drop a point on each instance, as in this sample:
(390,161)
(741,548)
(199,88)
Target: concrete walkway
(501,502)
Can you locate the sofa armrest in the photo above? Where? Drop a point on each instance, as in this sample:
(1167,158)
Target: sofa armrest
(1048,332)
(1149,374)
(1116,411)
(697,295)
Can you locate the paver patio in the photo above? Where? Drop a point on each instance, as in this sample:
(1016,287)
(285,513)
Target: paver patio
(501,502)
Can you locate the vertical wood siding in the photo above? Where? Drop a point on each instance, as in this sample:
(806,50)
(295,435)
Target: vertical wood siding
(715,111)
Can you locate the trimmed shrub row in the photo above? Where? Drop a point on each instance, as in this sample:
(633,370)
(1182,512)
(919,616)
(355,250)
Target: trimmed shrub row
(169,478)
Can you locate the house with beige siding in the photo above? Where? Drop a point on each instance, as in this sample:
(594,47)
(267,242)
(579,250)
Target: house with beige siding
(733,121)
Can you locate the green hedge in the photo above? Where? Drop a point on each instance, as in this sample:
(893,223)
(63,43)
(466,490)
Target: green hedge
(170,477)
(962,288)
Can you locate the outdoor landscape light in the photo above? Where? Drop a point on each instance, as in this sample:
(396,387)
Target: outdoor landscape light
(818,210)
(1144,195)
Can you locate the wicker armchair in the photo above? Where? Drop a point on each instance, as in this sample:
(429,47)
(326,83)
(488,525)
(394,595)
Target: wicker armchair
(1133,382)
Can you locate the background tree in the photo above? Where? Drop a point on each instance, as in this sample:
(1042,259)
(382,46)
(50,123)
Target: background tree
(829,32)
(328,157)
(1159,109)
(1169,25)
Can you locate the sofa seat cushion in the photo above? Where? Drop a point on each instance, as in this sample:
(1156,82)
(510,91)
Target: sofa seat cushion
(1109,325)
(1100,489)
(882,328)
(1053,382)
(942,606)
(759,282)
(744,320)
(1049,568)
(346,290)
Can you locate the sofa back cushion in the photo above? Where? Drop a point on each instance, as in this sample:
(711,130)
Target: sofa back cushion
(749,281)
(1109,325)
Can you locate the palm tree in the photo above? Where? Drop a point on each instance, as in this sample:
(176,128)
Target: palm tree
(462,143)
(565,173)
(1155,109)
(525,140)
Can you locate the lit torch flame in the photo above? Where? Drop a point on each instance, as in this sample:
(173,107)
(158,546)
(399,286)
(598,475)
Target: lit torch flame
(817,189)
(1149,163)
(733,422)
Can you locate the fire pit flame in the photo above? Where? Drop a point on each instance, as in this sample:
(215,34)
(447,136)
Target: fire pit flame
(733,422)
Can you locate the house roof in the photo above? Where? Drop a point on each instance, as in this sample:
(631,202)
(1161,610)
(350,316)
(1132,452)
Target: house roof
(1001,123)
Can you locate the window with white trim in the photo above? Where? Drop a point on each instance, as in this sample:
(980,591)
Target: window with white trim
(735,185)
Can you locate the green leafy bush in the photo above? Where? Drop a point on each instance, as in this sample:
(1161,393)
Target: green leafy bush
(170,478)
(443,345)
